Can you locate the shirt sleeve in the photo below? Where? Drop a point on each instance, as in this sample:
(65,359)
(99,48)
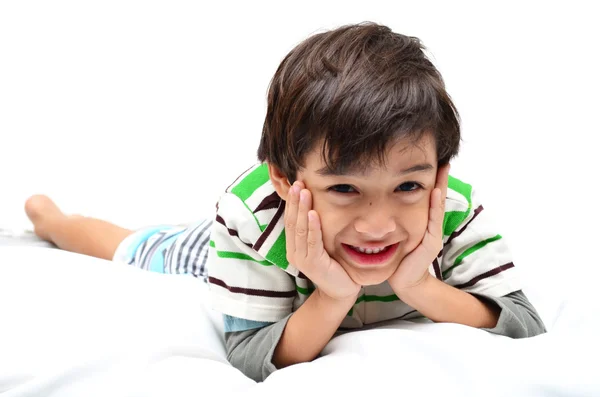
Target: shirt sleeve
(518,317)
(251,351)
(475,257)
(242,283)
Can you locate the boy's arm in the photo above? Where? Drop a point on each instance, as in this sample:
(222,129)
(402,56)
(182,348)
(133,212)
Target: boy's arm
(441,302)
(251,351)
(310,328)
(297,338)
(518,318)
(476,271)
(244,285)
(511,315)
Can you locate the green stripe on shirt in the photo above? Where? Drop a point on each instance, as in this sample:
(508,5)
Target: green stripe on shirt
(464,189)
(373,298)
(305,291)
(376,298)
(237,255)
(277,254)
(469,251)
(251,182)
(362,298)
(452,219)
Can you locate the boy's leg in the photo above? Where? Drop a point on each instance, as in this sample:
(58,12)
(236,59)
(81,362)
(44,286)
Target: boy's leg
(88,236)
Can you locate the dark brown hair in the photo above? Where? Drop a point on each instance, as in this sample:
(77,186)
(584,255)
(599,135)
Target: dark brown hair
(355,89)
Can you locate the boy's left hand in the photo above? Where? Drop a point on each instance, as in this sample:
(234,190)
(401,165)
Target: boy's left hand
(413,269)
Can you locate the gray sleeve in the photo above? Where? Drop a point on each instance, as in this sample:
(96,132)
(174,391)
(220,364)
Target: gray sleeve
(518,317)
(252,351)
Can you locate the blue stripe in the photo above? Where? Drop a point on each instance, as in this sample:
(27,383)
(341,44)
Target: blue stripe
(157,261)
(140,237)
(235,324)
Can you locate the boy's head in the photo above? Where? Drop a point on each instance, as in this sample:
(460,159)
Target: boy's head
(348,111)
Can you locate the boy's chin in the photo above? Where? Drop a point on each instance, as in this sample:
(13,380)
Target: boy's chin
(368,278)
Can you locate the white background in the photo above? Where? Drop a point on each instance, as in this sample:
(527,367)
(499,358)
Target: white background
(127,110)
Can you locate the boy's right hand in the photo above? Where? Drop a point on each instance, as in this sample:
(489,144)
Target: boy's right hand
(304,246)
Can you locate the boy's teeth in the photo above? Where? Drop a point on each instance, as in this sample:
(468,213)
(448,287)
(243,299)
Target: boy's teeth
(369,250)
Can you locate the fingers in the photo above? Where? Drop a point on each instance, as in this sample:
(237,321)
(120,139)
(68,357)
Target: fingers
(432,241)
(304,206)
(290,218)
(438,199)
(442,180)
(314,239)
(436,212)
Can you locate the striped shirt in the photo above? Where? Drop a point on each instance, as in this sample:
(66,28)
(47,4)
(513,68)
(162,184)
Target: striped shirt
(250,277)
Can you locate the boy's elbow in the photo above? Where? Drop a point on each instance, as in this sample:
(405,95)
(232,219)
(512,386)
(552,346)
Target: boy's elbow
(518,318)
(251,351)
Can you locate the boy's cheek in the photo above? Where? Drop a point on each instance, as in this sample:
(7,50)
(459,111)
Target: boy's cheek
(317,200)
(331,224)
(328,225)
(419,228)
(327,212)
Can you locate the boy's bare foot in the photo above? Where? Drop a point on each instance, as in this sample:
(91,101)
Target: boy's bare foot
(42,212)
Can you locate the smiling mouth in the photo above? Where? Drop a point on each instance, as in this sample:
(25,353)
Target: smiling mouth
(370,256)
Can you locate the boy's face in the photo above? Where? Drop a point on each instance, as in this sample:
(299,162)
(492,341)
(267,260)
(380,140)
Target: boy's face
(384,207)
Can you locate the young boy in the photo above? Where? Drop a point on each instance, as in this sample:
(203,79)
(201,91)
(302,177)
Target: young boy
(349,219)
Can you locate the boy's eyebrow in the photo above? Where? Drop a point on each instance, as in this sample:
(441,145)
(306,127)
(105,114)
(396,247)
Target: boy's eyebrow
(326,171)
(417,168)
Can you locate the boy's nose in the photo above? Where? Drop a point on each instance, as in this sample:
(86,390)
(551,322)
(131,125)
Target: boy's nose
(376,224)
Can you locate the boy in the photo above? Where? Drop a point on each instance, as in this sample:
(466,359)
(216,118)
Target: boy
(350,218)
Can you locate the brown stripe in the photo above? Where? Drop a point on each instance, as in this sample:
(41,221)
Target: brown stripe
(302,276)
(269,202)
(487,274)
(269,229)
(251,291)
(232,232)
(405,314)
(239,176)
(458,233)
(220,219)
(436,268)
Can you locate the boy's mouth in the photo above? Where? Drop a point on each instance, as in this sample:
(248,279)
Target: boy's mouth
(372,255)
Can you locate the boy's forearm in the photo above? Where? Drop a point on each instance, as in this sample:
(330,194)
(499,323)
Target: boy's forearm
(441,302)
(310,328)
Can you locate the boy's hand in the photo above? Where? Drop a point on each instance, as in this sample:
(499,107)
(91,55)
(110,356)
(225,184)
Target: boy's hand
(304,246)
(413,269)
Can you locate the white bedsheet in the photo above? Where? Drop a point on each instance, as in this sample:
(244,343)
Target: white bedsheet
(72,325)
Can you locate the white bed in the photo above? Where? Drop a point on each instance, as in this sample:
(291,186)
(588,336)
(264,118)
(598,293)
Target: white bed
(130,123)
(74,325)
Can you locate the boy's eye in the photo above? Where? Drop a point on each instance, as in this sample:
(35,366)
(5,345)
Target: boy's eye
(409,186)
(342,189)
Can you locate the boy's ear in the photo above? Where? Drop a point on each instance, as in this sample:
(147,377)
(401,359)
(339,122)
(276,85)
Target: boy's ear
(279,181)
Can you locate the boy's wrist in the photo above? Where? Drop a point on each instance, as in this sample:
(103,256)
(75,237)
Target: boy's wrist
(411,295)
(343,303)
(310,328)
(441,302)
